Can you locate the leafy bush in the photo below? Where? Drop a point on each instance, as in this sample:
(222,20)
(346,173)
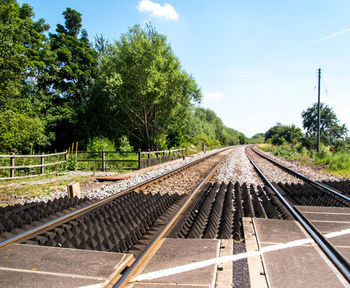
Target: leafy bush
(71,164)
(323,155)
(208,141)
(340,161)
(281,135)
(19,132)
(125,144)
(160,141)
(100,143)
(337,162)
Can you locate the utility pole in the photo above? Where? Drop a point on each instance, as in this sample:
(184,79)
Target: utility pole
(319,111)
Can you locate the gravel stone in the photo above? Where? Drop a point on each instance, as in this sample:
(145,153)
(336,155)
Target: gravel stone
(237,168)
(310,172)
(271,171)
(240,268)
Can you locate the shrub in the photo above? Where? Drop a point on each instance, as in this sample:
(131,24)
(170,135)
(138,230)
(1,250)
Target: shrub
(100,143)
(339,161)
(125,144)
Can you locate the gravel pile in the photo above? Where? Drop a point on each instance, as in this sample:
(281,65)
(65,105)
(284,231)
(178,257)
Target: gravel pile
(237,168)
(100,190)
(271,171)
(310,172)
(185,181)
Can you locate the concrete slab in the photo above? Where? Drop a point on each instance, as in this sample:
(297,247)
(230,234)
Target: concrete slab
(54,267)
(277,231)
(26,280)
(300,266)
(323,209)
(328,217)
(343,241)
(329,227)
(178,252)
(328,220)
(345,251)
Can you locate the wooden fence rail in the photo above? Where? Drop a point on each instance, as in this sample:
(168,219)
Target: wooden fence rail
(141,158)
(159,157)
(138,160)
(101,157)
(42,164)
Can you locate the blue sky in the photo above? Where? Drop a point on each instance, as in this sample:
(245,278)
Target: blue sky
(255,61)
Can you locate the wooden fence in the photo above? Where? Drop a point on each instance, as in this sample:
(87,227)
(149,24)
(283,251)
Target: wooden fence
(107,160)
(127,160)
(151,158)
(101,161)
(29,168)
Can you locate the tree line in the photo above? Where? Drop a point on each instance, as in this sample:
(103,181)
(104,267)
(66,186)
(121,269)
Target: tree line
(332,133)
(59,88)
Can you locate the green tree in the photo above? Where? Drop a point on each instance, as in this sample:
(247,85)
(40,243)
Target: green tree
(330,129)
(70,78)
(206,122)
(23,59)
(22,44)
(281,134)
(19,133)
(257,138)
(145,87)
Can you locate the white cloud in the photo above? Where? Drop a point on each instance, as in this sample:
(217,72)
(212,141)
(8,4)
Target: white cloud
(165,11)
(214,95)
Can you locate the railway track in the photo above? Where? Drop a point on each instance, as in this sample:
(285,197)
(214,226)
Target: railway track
(130,221)
(324,195)
(182,204)
(330,196)
(221,210)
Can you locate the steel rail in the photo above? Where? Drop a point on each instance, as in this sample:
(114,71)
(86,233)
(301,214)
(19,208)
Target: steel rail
(330,251)
(133,269)
(303,177)
(102,202)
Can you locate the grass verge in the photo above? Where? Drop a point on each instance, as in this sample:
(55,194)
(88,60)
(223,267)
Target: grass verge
(30,188)
(335,163)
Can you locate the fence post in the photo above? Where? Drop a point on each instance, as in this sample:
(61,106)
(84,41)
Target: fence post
(163,156)
(103,161)
(139,158)
(12,160)
(42,164)
(149,158)
(66,156)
